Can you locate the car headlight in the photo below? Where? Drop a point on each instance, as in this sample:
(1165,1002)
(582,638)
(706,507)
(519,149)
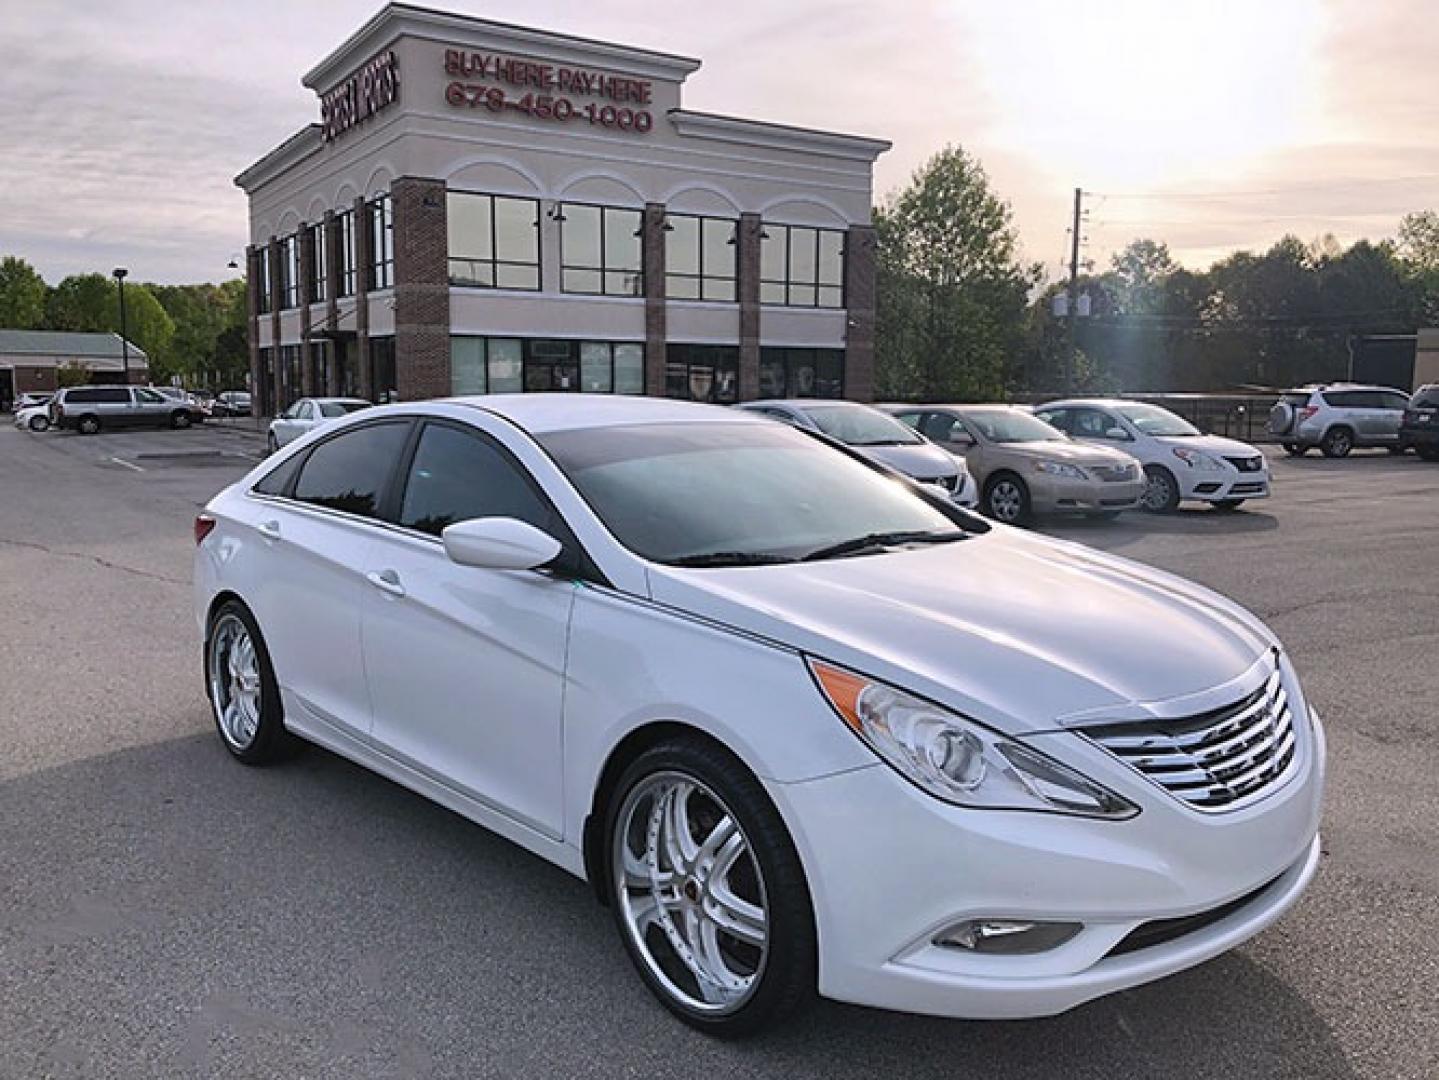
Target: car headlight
(1059,468)
(955,759)
(1196,459)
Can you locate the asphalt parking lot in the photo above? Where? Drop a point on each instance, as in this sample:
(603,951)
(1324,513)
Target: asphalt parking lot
(167,912)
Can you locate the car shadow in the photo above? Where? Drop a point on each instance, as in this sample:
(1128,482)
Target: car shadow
(1136,525)
(312,918)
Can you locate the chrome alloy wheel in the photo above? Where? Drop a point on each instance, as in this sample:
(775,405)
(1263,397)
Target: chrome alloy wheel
(1006,501)
(235,681)
(691,893)
(1156,491)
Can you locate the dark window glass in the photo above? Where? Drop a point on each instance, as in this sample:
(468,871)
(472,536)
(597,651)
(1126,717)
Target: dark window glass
(349,472)
(600,250)
(805,373)
(702,373)
(262,273)
(345,222)
(319,283)
(801,266)
(277,480)
(290,272)
(457,476)
(382,244)
(1427,397)
(1344,399)
(1391,400)
(494,241)
(700,258)
(383,376)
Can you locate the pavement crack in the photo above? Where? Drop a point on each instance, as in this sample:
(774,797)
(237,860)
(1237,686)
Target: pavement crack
(96,559)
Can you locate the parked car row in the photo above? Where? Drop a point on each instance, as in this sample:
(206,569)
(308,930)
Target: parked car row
(90,409)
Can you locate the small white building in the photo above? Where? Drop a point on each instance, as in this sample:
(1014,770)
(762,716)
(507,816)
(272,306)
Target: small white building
(486,207)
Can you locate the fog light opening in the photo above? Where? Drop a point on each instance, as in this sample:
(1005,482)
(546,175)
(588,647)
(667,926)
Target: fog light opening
(1007,937)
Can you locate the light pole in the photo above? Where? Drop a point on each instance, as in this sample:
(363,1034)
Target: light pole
(120,272)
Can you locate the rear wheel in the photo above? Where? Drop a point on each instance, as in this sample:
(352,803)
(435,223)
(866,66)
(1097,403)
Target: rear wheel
(244,696)
(1337,442)
(39,423)
(1161,490)
(88,425)
(707,890)
(1006,499)
(1397,449)
(180,419)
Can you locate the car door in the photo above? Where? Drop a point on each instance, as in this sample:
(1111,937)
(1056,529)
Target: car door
(466,665)
(151,408)
(286,425)
(313,520)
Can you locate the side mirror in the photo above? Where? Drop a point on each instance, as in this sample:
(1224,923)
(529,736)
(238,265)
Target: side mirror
(499,543)
(964,442)
(1117,433)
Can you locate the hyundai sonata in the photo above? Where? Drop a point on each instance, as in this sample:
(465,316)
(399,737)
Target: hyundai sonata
(805,725)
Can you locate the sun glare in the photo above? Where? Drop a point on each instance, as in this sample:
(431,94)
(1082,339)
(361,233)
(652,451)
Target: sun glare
(1139,94)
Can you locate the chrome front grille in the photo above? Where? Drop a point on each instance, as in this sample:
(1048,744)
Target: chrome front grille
(1114,473)
(1216,760)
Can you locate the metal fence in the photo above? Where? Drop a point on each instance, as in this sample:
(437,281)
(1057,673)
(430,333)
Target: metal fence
(1238,416)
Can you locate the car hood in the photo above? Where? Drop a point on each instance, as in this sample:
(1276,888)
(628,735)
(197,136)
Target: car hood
(922,460)
(1020,632)
(1074,453)
(1210,444)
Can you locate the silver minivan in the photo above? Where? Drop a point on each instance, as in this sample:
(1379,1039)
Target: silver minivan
(89,409)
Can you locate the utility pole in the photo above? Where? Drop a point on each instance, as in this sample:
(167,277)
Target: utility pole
(1071,359)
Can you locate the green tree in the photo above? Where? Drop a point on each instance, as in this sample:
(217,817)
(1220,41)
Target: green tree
(91,302)
(1419,240)
(22,295)
(951,287)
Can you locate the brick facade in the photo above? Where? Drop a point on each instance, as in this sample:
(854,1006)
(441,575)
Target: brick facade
(422,288)
(859,292)
(653,262)
(748,237)
(277,367)
(307,271)
(364,370)
(252,310)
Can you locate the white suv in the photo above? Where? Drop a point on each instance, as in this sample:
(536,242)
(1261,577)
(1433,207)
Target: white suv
(1180,461)
(1337,417)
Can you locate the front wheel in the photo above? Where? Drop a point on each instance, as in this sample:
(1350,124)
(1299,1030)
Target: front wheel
(1006,499)
(180,420)
(39,423)
(1161,490)
(244,696)
(88,425)
(707,890)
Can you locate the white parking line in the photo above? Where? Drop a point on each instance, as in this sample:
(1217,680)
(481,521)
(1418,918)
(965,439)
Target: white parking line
(127,464)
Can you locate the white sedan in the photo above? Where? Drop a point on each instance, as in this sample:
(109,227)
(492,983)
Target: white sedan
(307,414)
(804,724)
(33,417)
(1180,461)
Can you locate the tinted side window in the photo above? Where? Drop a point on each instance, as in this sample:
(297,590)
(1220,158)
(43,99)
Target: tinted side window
(1057,418)
(1426,398)
(1393,401)
(277,480)
(349,472)
(79,397)
(457,475)
(1345,399)
(117,395)
(1090,424)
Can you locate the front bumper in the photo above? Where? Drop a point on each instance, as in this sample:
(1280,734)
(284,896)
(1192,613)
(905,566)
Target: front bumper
(889,867)
(1049,494)
(1218,485)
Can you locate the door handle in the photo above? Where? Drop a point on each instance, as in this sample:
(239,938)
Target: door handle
(386,581)
(270,530)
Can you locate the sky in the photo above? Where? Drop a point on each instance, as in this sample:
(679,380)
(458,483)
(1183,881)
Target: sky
(1212,125)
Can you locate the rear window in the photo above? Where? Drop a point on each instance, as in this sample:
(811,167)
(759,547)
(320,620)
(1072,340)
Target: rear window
(1298,400)
(340,408)
(109,395)
(1426,398)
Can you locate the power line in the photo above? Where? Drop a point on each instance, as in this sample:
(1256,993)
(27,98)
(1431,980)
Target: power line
(1344,185)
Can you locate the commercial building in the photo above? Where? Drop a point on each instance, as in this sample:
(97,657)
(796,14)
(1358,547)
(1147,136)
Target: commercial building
(485,208)
(30,360)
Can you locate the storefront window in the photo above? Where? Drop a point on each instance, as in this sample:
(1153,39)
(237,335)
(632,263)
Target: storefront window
(699,258)
(382,244)
(345,222)
(321,354)
(262,273)
(801,373)
(801,267)
(467,365)
(382,370)
(596,367)
(629,369)
(290,272)
(506,365)
(600,250)
(494,241)
(319,283)
(481,365)
(703,373)
(290,385)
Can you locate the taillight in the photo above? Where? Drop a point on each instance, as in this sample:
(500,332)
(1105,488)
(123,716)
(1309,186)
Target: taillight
(1307,411)
(204,526)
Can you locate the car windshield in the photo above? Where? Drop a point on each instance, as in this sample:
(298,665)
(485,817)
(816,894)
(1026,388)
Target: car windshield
(1011,426)
(733,494)
(341,408)
(856,425)
(1152,420)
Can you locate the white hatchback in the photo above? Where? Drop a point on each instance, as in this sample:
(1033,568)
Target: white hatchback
(307,414)
(804,724)
(1180,461)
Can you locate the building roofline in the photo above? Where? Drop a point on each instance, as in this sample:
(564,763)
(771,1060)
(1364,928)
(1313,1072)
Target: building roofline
(373,36)
(705,125)
(21,350)
(290,152)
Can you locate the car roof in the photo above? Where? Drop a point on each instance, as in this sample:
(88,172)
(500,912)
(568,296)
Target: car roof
(340,400)
(807,403)
(539,413)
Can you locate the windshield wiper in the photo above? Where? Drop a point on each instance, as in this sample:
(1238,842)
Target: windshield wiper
(882,540)
(883,442)
(730,558)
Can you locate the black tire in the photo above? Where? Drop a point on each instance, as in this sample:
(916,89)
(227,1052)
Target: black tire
(88,425)
(1161,492)
(1398,450)
(1428,453)
(786,977)
(1228,504)
(39,423)
(1295,449)
(1006,499)
(180,419)
(1337,442)
(270,742)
